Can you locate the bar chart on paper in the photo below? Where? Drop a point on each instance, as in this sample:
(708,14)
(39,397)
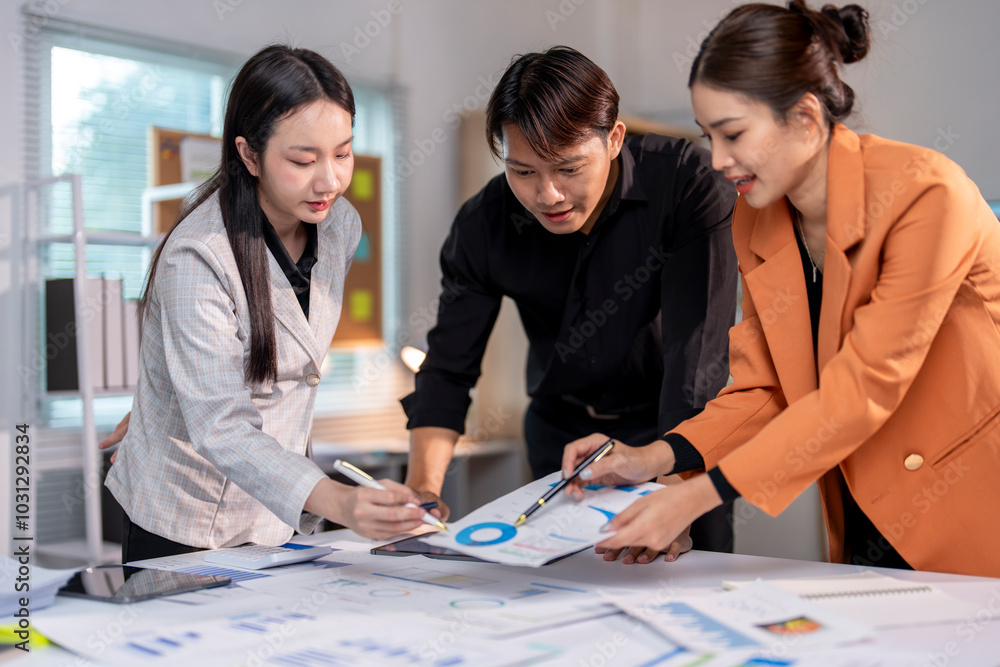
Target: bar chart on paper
(487,602)
(294,639)
(753,617)
(701,628)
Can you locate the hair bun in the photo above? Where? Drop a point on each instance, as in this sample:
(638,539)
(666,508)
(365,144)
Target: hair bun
(852,36)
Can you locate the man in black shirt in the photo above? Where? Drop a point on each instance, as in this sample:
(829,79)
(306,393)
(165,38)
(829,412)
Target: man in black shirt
(619,256)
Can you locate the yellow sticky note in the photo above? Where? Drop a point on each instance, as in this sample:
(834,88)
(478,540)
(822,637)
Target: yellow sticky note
(361,305)
(363,184)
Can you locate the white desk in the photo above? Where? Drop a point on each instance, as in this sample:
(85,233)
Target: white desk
(973,642)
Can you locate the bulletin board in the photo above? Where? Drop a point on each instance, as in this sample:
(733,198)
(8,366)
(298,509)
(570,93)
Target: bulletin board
(361,315)
(165,169)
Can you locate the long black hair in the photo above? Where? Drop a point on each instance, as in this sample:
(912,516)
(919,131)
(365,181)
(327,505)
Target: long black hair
(273,83)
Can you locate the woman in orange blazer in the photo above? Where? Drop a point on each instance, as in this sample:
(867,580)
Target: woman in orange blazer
(868,357)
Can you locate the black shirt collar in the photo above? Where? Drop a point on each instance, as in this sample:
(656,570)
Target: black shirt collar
(298,273)
(629,178)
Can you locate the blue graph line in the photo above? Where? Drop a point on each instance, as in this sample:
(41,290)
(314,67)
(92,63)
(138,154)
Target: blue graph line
(569,539)
(142,649)
(698,624)
(559,588)
(663,658)
(415,581)
(610,515)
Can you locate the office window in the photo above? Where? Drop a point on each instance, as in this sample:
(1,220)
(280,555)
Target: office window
(93,98)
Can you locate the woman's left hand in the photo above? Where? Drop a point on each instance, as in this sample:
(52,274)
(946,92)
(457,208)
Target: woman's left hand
(657,520)
(643,555)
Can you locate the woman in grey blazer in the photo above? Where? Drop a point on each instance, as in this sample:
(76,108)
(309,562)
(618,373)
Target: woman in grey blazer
(240,307)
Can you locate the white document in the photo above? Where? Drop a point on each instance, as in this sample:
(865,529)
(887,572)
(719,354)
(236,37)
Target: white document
(292,633)
(37,585)
(562,527)
(875,599)
(756,617)
(484,600)
(848,656)
(611,641)
(194,563)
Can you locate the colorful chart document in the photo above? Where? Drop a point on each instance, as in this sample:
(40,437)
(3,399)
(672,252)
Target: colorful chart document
(564,526)
(758,616)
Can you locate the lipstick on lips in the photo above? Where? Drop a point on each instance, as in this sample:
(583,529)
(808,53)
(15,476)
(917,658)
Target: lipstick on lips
(319,205)
(743,183)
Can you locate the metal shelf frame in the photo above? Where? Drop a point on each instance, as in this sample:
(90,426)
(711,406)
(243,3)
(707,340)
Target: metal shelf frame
(80,238)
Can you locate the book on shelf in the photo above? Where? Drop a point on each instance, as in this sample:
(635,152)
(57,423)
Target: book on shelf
(130,325)
(112,335)
(61,326)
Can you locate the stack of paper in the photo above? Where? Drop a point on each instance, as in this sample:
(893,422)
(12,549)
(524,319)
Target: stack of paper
(37,586)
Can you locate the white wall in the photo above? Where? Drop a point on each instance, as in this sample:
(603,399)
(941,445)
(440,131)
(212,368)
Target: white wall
(933,73)
(932,67)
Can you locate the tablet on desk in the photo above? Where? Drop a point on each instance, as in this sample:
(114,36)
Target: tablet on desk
(124,583)
(412,546)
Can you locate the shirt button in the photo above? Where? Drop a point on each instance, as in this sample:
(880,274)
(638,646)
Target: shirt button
(593,360)
(312,379)
(913,462)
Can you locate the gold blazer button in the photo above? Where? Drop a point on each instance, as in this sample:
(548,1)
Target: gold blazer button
(312,380)
(913,462)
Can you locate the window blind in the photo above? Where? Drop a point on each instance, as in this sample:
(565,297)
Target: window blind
(92,95)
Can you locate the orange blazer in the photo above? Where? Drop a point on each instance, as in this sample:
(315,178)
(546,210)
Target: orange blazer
(905,406)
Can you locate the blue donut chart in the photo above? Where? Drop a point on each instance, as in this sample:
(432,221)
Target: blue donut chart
(465,537)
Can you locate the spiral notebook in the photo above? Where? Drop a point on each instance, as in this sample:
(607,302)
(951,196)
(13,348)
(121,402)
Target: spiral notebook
(875,599)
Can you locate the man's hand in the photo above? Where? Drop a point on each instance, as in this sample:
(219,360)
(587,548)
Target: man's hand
(442,511)
(116,436)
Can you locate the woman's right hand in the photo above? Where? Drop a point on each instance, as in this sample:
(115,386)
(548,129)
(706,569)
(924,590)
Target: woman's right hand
(379,514)
(116,436)
(622,465)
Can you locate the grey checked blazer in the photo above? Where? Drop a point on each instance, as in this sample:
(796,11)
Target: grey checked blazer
(208,460)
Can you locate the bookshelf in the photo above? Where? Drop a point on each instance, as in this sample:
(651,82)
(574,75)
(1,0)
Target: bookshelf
(365,276)
(95,551)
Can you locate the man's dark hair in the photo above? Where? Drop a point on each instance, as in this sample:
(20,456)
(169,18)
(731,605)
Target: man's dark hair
(557,99)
